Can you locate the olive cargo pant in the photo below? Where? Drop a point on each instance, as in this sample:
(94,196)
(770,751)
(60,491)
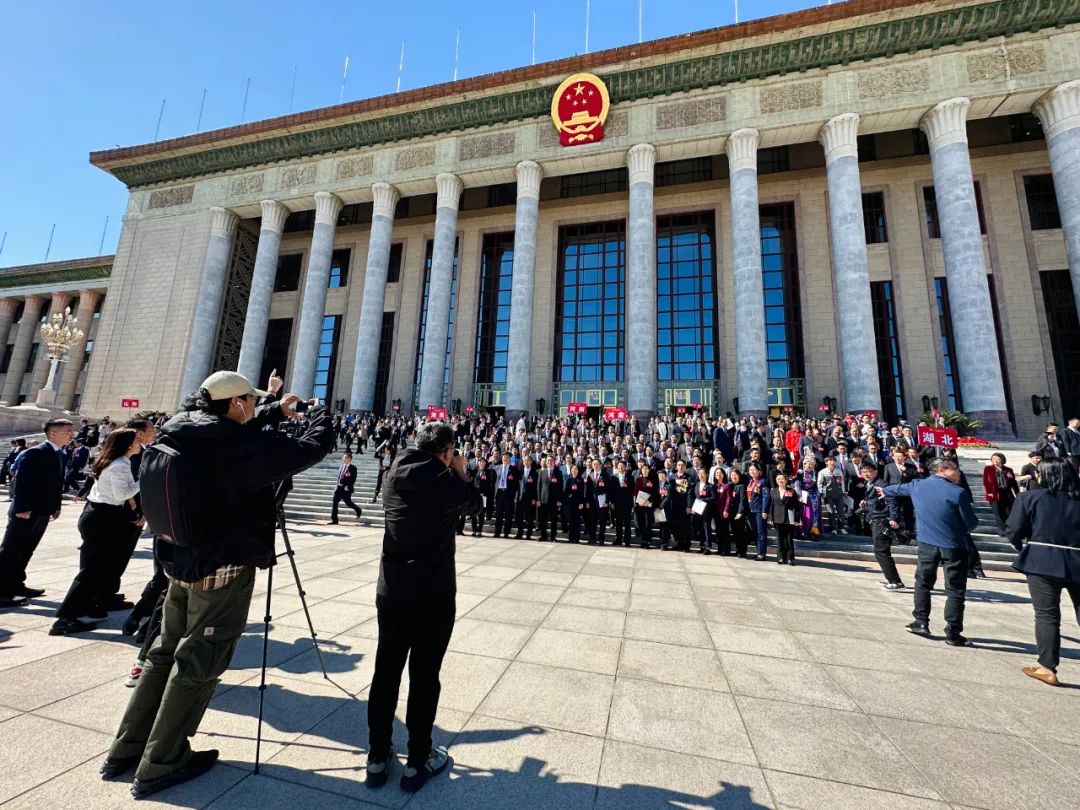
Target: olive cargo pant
(199,632)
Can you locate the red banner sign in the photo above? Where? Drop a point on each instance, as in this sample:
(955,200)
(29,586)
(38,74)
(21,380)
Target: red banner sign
(129,403)
(469,409)
(579,109)
(436,414)
(680,410)
(938,437)
(577,409)
(696,406)
(615,414)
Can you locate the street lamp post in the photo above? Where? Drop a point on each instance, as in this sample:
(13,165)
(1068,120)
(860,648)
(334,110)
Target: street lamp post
(59,333)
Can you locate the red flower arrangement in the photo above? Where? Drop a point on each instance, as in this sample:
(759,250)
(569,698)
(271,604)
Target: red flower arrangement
(973,441)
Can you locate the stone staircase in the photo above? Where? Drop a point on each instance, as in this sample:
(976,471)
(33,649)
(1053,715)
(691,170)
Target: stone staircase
(313,493)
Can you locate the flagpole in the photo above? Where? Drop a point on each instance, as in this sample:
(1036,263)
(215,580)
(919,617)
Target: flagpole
(48,248)
(400,68)
(457,52)
(292,90)
(736,11)
(104,230)
(534,38)
(202,104)
(161,112)
(640,17)
(344,76)
(243,109)
(586,26)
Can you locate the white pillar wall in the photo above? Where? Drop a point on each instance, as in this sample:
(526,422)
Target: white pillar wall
(851,266)
(257,319)
(640,331)
(313,306)
(24,339)
(204,325)
(439,286)
(519,353)
(84,319)
(374,299)
(1059,111)
(965,266)
(751,361)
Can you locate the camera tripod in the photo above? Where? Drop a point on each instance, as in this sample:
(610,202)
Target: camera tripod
(283,490)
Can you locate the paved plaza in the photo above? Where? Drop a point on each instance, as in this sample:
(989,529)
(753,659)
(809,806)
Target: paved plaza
(579,677)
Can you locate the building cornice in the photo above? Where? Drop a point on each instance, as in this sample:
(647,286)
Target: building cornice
(64,273)
(272,141)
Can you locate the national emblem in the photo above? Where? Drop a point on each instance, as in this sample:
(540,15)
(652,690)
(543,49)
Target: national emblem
(579,109)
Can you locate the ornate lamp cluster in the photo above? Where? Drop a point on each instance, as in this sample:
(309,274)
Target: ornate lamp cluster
(60,333)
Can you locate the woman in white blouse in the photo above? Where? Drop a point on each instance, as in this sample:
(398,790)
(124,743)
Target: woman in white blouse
(105,521)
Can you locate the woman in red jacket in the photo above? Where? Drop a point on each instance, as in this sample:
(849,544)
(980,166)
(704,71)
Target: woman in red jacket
(999,484)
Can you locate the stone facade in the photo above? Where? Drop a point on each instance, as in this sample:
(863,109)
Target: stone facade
(813,67)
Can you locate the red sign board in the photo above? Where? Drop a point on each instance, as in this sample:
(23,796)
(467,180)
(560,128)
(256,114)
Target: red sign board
(680,410)
(615,414)
(436,413)
(579,109)
(129,403)
(577,408)
(696,406)
(469,409)
(938,437)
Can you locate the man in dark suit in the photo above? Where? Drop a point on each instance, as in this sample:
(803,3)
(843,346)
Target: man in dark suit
(527,499)
(34,502)
(506,485)
(622,499)
(17,446)
(1070,440)
(346,483)
(79,457)
(549,494)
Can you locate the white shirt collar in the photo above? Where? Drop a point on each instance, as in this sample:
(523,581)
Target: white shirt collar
(54,445)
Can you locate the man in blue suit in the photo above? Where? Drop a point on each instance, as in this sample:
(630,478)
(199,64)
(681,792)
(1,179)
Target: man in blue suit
(34,502)
(79,458)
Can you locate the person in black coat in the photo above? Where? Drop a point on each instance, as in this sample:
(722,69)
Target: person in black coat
(783,516)
(484,481)
(528,499)
(343,491)
(506,485)
(34,502)
(79,457)
(622,503)
(701,517)
(679,486)
(597,489)
(574,504)
(1044,526)
(550,493)
(17,446)
(739,513)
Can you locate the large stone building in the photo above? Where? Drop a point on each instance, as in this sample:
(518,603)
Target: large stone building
(874,201)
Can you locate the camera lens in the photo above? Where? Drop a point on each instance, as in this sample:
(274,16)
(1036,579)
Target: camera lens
(301,406)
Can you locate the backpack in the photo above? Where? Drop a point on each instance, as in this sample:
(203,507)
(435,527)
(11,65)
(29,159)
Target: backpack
(176,494)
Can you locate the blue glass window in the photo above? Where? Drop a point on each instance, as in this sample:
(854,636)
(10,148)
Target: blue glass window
(493,321)
(339,268)
(948,358)
(686,297)
(887,339)
(326,361)
(780,279)
(424,312)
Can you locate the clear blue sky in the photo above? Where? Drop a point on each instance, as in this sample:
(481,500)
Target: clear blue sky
(79,76)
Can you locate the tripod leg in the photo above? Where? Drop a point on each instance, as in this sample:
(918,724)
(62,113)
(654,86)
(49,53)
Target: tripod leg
(262,677)
(300,589)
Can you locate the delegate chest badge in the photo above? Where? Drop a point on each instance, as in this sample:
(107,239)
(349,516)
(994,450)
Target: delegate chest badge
(579,109)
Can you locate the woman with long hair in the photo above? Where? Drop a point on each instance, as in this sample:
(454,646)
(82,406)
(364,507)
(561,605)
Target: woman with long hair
(1044,526)
(106,520)
(1001,489)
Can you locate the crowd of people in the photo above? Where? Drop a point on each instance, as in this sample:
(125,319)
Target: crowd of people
(691,482)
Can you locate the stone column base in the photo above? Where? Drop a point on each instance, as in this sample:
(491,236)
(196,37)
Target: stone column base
(995,424)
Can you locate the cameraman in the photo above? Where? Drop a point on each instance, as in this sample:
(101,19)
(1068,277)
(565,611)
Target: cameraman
(427,490)
(881,514)
(232,462)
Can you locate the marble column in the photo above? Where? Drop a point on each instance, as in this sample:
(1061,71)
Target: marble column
(851,268)
(519,353)
(24,339)
(204,327)
(1059,111)
(257,318)
(7,313)
(753,370)
(640,331)
(59,303)
(965,266)
(438,306)
(366,364)
(84,319)
(313,306)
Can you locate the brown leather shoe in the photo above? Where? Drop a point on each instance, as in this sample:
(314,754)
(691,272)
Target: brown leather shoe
(1040,674)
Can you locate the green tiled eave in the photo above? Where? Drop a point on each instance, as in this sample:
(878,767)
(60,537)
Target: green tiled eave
(940,28)
(55,276)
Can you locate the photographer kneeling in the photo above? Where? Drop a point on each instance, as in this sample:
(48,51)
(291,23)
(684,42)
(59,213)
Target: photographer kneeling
(208,494)
(426,491)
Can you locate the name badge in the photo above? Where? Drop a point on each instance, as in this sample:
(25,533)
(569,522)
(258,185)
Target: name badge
(573,487)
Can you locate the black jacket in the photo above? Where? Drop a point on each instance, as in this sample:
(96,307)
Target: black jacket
(39,482)
(244,463)
(347,481)
(422,500)
(1043,517)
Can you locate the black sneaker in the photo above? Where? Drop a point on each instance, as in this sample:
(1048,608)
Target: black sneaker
(415,778)
(957,640)
(65,627)
(113,767)
(30,593)
(130,626)
(200,763)
(377,771)
(919,628)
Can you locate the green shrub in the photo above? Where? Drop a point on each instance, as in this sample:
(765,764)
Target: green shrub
(964,424)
